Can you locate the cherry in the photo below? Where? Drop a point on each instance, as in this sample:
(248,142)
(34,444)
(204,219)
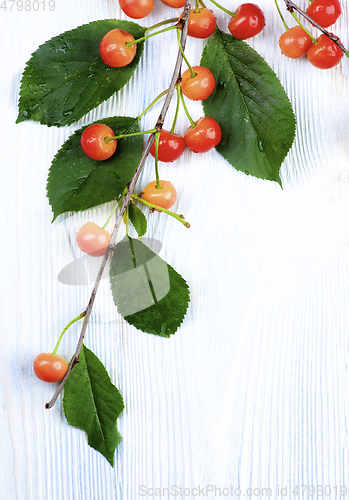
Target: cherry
(324,12)
(248,21)
(165,197)
(113,48)
(171,146)
(137,9)
(49,367)
(92,239)
(201,24)
(295,42)
(199,87)
(175,4)
(93,143)
(325,54)
(204,136)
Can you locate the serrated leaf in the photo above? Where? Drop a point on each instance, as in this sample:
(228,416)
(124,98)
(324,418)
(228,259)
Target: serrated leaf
(138,219)
(250,105)
(76,182)
(148,292)
(92,403)
(65,77)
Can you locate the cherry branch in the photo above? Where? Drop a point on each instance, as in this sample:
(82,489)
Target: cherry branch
(183,25)
(291,6)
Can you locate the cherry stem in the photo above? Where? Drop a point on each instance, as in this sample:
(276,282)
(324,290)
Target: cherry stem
(193,124)
(108,139)
(304,28)
(177,109)
(181,219)
(281,16)
(157,25)
(127,221)
(197,9)
(157,140)
(292,6)
(114,209)
(232,14)
(202,4)
(82,315)
(152,103)
(192,72)
(110,216)
(126,199)
(129,44)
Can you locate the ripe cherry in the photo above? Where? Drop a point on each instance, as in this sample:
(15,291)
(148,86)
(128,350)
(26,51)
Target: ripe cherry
(204,136)
(93,143)
(113,48)
(171,146)
(201,24)
(199,87)
(49,367)
(137,9)
(325,54)
(295,42)
(175,4)
(92,239)
(165,197)
(248,22)
(324,12)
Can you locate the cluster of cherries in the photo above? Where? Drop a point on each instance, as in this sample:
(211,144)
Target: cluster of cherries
(118,49)
(323,53)
(247,21)
(98,141)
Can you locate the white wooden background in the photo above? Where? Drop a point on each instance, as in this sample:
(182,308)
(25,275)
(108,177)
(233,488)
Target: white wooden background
(252,391)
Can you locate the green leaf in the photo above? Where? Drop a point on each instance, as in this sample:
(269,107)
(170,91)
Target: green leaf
(76,182)
(66,77)
(92,403)
(251,106)
(138,219)
(148,292)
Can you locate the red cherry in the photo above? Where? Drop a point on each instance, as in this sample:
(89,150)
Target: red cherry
(324,12)
(93,143)
(295,42)
(248,22)
(92,239)
(171,146)
(325,54)
(50,368)
(175,4)
(165,197)
(204,136)
(137,9)
(199,87)
(201,24)
(113,48)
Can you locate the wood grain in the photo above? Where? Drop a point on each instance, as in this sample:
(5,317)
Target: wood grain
(252,391)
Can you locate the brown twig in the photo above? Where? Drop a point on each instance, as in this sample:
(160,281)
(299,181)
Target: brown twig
(290,5)
(111,248)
